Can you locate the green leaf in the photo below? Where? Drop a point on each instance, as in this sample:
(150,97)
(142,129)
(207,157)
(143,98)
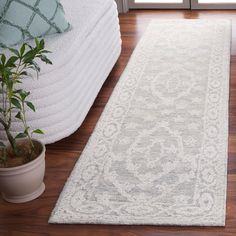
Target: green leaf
(36,42)
(18,81)
(29,56)
(41,44)
(13,50)
(3,59)
(17,98)
(1,110)
(17,91)
(2,145)
(38,131)
(22,49)
(20,135)
(29,46)
(9,82)
(16,103)
(11,61)
(30,105)
(45,51)
(36,67)
(24,94)
(45,59)
(19,116)
(23,73)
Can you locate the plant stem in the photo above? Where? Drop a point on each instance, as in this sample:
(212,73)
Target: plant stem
(9,114)
(26,128)
(3,157)
(10,137)
(18,72)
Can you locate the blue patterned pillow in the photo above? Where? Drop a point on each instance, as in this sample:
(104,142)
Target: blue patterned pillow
(21,20)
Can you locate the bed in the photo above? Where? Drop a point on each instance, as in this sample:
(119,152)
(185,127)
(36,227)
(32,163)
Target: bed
(82,60)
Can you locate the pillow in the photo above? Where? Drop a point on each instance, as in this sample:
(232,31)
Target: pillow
(21,20)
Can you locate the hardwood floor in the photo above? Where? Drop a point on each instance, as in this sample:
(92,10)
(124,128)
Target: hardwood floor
(30,219)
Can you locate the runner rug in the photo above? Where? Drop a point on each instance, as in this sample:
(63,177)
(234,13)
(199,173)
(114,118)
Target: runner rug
(158,154)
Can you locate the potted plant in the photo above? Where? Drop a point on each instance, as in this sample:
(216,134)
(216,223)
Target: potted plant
(22,158)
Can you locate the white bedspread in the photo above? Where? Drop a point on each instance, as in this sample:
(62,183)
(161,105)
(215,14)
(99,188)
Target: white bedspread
(82,59)
(83,15)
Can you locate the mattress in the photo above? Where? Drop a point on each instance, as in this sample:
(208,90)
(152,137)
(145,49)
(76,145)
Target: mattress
(82,59)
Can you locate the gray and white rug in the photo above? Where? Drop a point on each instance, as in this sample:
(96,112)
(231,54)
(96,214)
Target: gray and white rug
(158,154)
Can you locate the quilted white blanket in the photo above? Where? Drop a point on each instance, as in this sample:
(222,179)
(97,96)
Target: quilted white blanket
(82,59)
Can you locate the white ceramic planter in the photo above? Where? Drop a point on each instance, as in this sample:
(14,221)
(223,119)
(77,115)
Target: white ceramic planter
(23,183)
